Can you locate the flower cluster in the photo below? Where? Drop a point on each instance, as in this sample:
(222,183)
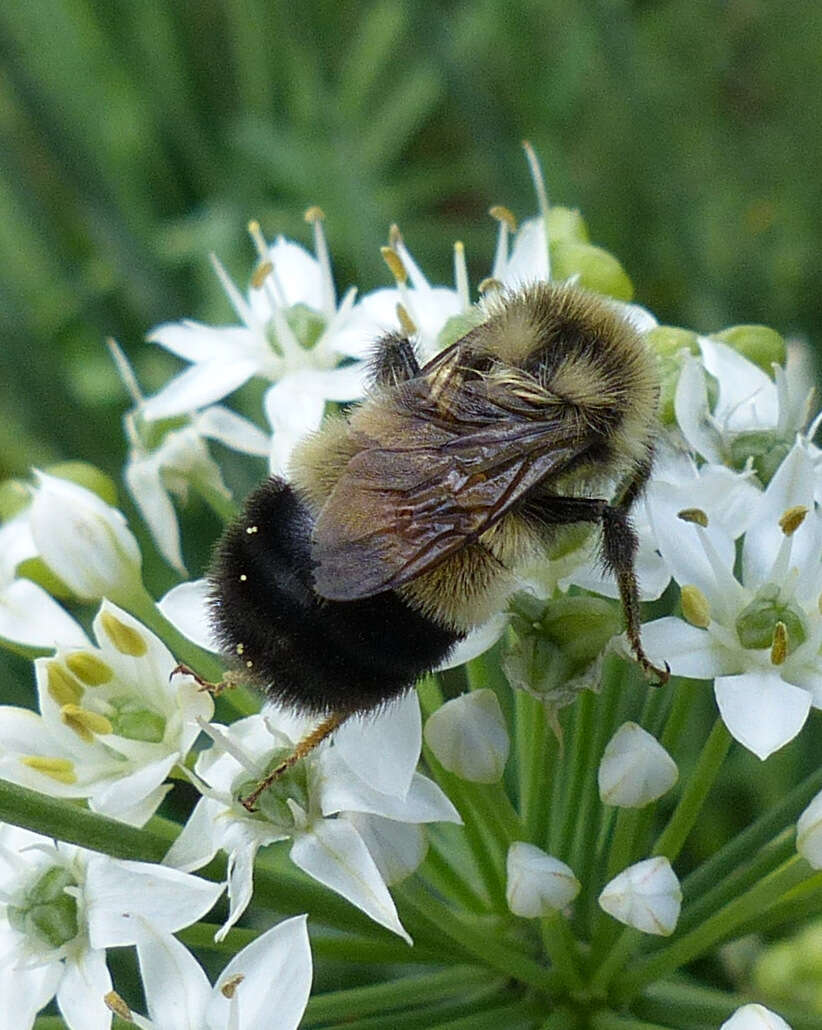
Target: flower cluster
(513,841)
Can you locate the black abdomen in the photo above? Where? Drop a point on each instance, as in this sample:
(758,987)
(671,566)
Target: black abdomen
(315,655)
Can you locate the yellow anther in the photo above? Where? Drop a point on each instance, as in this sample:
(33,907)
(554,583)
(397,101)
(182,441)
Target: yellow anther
(127,640)
(779,647)
(406,321)
(62,687)
(695,515)
(229,986)
(59,769)
(503,214)
(395,265)
(314,214)
(792,519)
(85,723)
(256,234)
(88,668)
(117,1005)
(261,273)
(695,607)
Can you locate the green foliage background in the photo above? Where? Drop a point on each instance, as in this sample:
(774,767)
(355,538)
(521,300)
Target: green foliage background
(138,135)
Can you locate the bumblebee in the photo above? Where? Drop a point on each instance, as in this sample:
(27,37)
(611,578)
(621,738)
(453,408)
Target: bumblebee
(406,519)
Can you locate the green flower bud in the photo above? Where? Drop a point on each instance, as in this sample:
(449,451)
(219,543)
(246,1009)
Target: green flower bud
(597,269)
(15,497)
(758,343)
(89,476)
(136,722)
(47,912)
(568,225)
(306,324)
(756,624)
(767,451)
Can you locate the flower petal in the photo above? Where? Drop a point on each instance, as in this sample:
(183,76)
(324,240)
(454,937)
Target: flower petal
(754,1017)
(276,971)
(335,854)
(80,995)
(469,736)
(635,768)
(31,617)
(232,430)
(177,990)
(186,608)
(688,650)
(646,896)
(537,883)
(146,487)
(477,642)
(200,385)
(761,710)
(384,749)
(398,848)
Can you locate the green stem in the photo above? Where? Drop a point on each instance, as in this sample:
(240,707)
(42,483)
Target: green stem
(479,940)
(696,791)
(621,950)
(448,880)
(746,843)
(576,761)
(681,706)
(708,1005)
(400,993)
(535,757)
(561,948)
(716,928)
(764,861)
(606,1020)
(224,507)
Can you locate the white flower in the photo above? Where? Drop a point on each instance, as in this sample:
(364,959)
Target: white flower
(635,768)
(292,332)
(760,638)
(537,884)
(809,833)
(748,401)
(61,907)
(28,614)
(113,722)
(469,737)
(645,896)
(269,979)
(369,769)
(754,1017)
(83,540)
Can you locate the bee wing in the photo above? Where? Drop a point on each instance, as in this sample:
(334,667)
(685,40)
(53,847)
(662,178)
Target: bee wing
(396,513)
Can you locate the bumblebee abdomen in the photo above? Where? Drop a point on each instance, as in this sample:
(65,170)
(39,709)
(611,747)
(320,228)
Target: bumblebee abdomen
(314,655)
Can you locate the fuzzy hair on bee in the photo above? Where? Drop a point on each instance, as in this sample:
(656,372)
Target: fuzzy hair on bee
(405,520)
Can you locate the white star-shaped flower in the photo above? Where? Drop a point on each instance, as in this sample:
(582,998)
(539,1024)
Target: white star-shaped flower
(113,721)
(758,637)
(368,770)
(62,907)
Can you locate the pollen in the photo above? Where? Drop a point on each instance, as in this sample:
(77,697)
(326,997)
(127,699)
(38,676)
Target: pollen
(243,577)
(695,515)
(118,1006)
(126,639)
(85,723)
(89,669)
(249,664)
(779,647)
(261,273)
(695,607)
(59,769)
(252,529)
(229,987)
(62,687)
(395,265)
(406,321)
(792,519)
(503,214)
(314,214)
(240,648)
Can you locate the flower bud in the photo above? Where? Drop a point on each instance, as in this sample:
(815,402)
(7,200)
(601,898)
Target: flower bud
(646,896)
(596,269)
(754,1017)
(758,343)
(566,224)
(85,474)
(83,540)
(635,769)
(469,737)
(538,884)
(809,833)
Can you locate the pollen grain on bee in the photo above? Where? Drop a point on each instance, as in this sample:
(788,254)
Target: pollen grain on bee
(252,529)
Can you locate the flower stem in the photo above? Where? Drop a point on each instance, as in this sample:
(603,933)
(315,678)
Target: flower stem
(481,940)
(693,797)
(713,930)
(401,993)
(575,765)
(708,1005)
(607,1020)
(561,948)
(535,756)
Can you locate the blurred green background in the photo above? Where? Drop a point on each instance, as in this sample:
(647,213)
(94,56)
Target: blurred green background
(138,135)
